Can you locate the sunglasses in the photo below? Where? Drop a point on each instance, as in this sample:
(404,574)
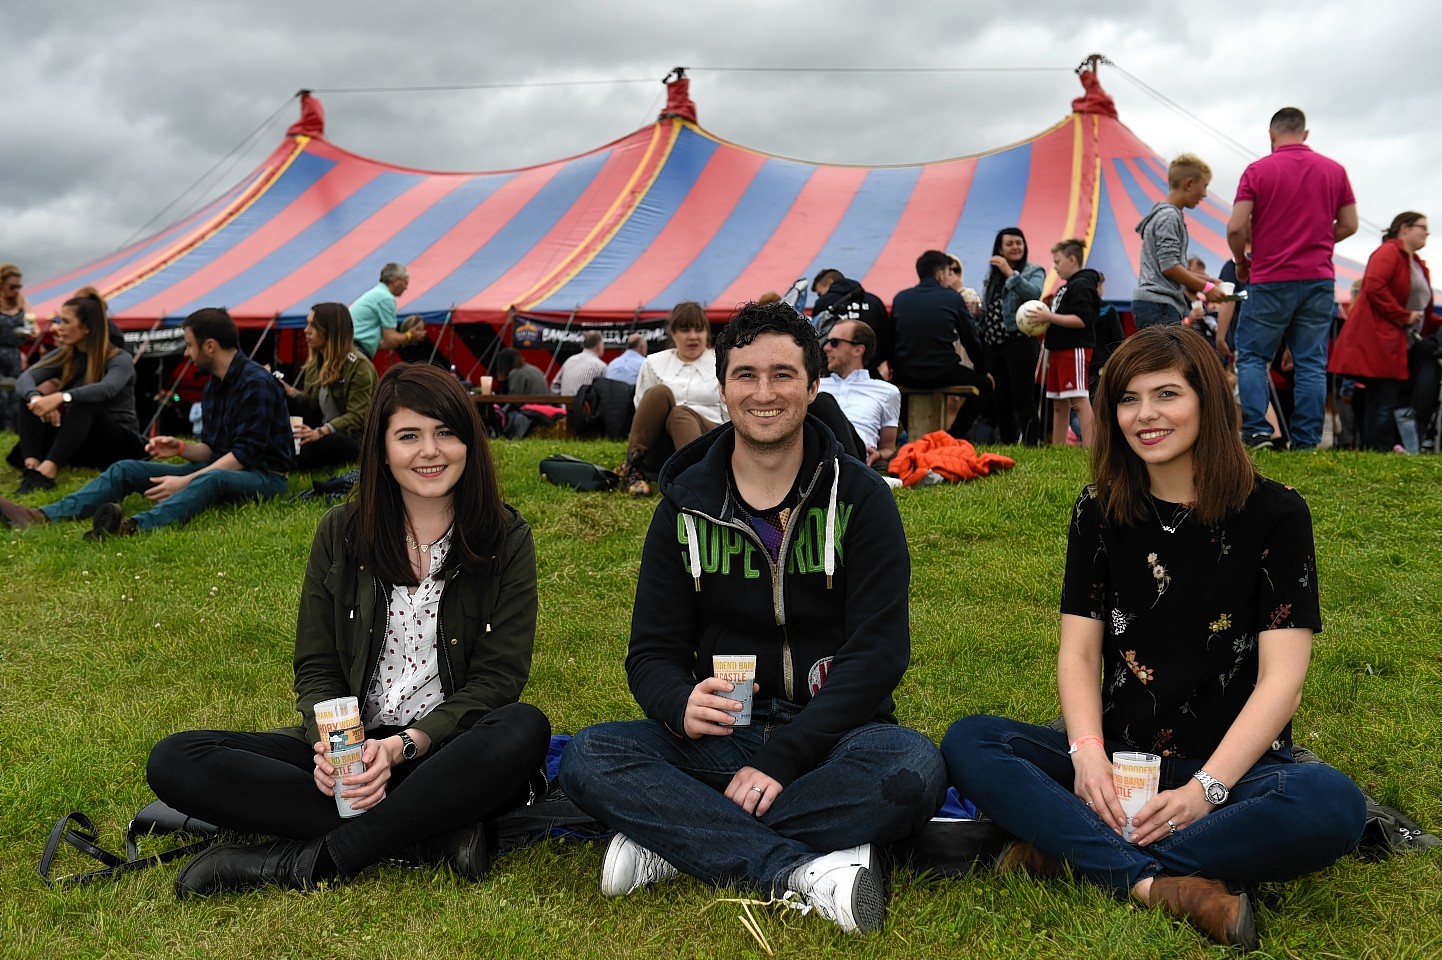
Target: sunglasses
(833,342)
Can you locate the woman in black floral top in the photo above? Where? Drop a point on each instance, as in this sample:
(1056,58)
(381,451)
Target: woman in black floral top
(1191,591)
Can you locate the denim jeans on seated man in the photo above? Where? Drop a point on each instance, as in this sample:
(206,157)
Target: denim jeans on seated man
(1283,819)
(1301,312)
(1145,313)
(879,783)
(134,476)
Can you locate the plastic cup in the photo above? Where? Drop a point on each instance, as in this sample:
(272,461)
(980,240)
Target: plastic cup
(740,670)
(339,723)
(1228,287)
(337,714)
(295,424)
(1136,777)
(486,383)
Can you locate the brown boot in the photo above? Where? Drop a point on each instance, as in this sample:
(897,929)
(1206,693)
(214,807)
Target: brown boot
(1209,906)
(1018,855)
(18,516)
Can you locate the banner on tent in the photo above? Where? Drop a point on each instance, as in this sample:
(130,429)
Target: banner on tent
(166,342)
(535,333)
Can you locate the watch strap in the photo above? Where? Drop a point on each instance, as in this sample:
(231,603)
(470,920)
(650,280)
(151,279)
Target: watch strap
(408,746)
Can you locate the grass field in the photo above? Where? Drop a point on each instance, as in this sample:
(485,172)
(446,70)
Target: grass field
(105,648)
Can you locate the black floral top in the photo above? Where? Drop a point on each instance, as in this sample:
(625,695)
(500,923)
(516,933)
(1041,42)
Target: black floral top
(1183,610)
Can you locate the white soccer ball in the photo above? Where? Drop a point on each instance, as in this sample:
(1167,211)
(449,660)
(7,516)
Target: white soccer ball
(1024,321)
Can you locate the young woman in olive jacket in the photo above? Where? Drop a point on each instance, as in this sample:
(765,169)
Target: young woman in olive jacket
(420,601)
(335,390)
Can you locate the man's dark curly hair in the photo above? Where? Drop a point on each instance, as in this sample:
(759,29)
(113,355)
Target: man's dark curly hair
(753,319)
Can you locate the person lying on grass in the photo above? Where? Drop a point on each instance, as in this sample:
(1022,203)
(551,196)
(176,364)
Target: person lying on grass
(1191,592)
(419,600)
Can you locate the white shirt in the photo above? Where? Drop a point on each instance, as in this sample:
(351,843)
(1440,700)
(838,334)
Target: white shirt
(870,405)
(578,371)
(407,684)
(693,384)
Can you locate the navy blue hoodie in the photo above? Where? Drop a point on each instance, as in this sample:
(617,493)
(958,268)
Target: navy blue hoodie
(828,624)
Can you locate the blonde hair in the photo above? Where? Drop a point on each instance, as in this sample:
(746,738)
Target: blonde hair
(8,270)
(1187,165)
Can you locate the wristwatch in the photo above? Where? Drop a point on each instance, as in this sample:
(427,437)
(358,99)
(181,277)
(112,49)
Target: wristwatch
(1217,791)
(66,397)
(409,750)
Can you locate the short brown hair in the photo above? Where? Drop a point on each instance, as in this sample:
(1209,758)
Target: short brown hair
(688,315)
(861,333)
(1223,475)
(1071,247)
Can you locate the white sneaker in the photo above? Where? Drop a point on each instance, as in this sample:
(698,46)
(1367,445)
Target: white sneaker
(843,888)
(628,867)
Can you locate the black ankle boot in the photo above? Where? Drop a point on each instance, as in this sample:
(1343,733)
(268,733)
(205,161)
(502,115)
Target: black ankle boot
(466,850)
(232,867)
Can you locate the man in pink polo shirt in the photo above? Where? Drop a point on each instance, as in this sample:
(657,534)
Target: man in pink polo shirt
(1293,205)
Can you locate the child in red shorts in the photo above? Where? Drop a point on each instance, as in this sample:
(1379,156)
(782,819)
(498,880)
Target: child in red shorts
(1070,339)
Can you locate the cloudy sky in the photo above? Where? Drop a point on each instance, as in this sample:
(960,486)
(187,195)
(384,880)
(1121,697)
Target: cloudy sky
(115,109)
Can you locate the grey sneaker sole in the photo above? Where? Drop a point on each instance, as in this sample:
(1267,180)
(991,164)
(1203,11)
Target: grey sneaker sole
(868,900)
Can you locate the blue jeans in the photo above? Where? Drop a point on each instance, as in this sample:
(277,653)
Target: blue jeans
(1283,818)
(878,784)
(1300,311)
(1145,313)
(133,476)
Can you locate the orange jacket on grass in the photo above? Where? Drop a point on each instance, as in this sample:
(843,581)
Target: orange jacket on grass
(953,459)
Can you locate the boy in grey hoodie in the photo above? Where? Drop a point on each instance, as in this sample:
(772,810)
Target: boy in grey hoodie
(1164,283)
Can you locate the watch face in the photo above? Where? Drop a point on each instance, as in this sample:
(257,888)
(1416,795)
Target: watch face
(1216,793)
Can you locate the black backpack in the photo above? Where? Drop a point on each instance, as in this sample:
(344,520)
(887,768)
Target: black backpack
(565,470)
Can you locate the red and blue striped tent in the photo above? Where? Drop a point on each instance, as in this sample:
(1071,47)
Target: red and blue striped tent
(620,233)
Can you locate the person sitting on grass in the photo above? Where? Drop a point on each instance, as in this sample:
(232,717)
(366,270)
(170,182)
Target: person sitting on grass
(336,384)
(437,663)
(807,575)
(245,454)
(79,401)
(1191,591)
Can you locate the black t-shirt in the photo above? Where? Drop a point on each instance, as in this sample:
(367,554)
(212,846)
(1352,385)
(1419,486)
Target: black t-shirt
(1079,298)
(1183,610)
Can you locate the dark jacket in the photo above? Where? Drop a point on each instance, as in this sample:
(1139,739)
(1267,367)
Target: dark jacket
(486,629)
(929,320)
(846,300)
(1079,297)
(351,393)
(836,643)
(114,392)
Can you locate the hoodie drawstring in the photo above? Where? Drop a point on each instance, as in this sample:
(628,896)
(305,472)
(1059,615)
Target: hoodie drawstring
(695,548)
(830,560)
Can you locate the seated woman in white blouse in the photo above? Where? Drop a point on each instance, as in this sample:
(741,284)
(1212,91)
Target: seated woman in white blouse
(677,397)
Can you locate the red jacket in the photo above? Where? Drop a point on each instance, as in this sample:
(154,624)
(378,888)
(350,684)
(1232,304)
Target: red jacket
(1373,342)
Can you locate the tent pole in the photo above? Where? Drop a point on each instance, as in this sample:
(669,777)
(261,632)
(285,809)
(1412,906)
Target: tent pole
(140,350)
(551,365)
(436,344)
(164,398)
(268,324)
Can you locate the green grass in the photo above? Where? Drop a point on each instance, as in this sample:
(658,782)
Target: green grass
(108,647)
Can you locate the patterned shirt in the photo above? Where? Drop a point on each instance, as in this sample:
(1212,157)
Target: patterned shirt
(245,414)
(1183,604)
(407,684)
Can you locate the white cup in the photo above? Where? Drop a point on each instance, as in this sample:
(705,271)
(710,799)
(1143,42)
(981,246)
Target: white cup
(740,670)
(1228,287)
(486,383)
(1136,777)
(295,424)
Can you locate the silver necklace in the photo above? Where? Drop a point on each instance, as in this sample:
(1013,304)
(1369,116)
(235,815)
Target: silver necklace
(1179,516)
(418,547)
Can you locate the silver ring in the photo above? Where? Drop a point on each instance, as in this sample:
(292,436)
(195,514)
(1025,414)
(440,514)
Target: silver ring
(758,789)
(1089,803)
(1173,827)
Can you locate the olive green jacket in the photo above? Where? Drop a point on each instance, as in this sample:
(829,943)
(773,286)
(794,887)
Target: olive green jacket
(352,393)
(486,629)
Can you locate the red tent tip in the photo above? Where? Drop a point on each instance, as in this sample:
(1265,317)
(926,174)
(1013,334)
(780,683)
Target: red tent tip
(312,117)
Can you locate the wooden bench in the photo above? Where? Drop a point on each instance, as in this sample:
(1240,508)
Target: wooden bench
(926,408)
(560,428)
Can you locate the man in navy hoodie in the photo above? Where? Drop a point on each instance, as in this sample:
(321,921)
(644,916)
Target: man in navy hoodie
(769,541)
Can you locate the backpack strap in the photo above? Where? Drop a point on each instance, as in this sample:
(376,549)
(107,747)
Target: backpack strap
(85,838)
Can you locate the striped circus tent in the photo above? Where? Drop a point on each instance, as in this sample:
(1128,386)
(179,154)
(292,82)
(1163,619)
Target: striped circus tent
(617,235)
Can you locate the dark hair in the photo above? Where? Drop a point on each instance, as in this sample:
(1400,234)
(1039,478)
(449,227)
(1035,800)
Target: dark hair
(830,274)
(1404,219)
(376,525)
(862,333)
(1223,474)
(213,323)
(507,360)
(323,367)
(994,274)
(688,315)
(1289,120)
(931,261)
(90,311)
(591,339)
(751,320)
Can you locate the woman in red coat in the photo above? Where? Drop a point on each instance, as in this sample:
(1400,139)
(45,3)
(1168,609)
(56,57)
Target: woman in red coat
(1386,319)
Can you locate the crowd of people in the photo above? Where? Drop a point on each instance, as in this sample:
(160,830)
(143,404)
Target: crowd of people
(776,542)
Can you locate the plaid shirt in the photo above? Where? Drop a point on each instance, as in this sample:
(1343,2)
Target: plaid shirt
(245,414)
